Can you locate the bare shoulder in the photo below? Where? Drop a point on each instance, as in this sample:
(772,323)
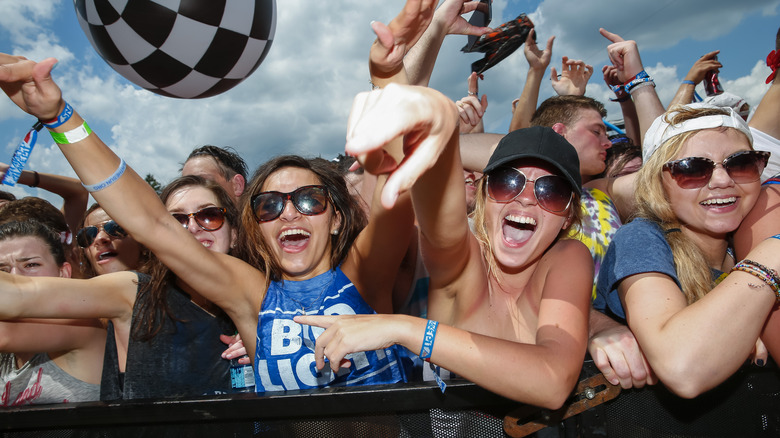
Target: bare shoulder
(567,258)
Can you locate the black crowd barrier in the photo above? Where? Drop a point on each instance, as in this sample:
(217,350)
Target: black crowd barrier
(388,410)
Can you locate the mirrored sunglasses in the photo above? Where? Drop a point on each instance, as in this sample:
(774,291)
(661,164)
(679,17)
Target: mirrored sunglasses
(308,200)
(86,236)
(209,218)
(695,172)
(553,193)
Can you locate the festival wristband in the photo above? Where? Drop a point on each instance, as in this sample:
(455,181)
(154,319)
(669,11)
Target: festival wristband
(108,181)
(21,155)
(428,338)
(72,136)
(64,116)
(689,82)
(776,236)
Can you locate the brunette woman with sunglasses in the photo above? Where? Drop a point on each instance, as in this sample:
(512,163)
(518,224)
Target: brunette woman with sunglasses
(302,231)
(105,246)
(696,310)
(508,305)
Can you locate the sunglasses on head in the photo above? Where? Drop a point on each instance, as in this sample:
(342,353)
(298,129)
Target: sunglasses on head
(552,192)
(308,200)
(86,236)
(209,218)
(695,172)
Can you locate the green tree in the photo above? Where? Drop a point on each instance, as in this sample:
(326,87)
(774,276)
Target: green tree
(153,182)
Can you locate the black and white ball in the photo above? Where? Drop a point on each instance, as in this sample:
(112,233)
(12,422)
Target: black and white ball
(180,48)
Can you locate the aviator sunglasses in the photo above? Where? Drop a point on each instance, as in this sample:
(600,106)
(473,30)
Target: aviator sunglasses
(87,235)
(308,200)
(552,192)
(695,172)
(209,218)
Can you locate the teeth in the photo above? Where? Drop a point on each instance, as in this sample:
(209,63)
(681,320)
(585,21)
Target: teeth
(103,255)
(286,233)
(206,243)
(720,201)
(521,219)
(469,181)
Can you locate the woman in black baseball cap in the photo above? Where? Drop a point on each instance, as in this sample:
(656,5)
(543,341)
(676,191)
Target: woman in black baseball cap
(508,305)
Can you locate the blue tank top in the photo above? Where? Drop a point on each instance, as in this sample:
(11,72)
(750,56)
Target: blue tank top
(284,358)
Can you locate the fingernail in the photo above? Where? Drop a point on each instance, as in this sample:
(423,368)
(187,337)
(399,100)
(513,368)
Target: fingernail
(55,65)
(760,362)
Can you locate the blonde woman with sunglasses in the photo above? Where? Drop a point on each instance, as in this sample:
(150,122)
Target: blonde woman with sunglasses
(508,305)
(696,311)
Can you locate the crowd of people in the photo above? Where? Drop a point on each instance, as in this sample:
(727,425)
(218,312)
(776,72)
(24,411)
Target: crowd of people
(430,250)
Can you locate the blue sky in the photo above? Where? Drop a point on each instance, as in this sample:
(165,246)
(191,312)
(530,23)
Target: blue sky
(299,99)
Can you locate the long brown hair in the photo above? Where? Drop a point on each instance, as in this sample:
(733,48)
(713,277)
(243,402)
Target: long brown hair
(253,249)
(153,308)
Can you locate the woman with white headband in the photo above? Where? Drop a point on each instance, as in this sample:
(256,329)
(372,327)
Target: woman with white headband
(696,312)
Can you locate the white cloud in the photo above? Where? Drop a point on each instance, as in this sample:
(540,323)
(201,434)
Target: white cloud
(299,99)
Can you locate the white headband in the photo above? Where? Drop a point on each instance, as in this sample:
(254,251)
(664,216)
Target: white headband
(661,131)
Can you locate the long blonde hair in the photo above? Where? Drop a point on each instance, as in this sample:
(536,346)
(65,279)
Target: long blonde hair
(652,203)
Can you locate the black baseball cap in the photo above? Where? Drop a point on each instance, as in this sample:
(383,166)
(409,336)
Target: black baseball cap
(542,143)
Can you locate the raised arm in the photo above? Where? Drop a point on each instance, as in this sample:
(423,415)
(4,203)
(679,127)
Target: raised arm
(127,197)
(447,20)
(625,57)
(472,108)
(630,118)
(74,196)
(523,107)
(686,90)
(573,79)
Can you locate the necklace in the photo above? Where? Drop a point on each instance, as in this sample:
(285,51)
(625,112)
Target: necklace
(307,307)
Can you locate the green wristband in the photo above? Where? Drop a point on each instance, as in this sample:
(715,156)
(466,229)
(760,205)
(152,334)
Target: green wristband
(72,136)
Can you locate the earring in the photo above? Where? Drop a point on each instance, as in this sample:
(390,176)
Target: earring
(335,232)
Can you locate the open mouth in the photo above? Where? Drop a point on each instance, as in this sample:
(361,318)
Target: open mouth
(294,238)
(518,229)
(106,255)
(719,202)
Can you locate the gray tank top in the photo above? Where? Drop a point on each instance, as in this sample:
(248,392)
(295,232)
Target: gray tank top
(40,381)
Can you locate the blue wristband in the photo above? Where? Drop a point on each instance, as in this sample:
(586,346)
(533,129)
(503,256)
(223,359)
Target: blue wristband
(428,338)
(689,82)
(776,236)
(108,181)
(64,116)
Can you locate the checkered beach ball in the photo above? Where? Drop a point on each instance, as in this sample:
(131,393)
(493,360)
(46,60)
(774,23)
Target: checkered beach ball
(180,48)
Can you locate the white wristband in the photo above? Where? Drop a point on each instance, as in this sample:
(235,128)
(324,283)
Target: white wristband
(72,136)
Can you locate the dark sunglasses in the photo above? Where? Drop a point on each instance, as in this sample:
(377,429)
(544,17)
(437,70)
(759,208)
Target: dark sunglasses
(552,192)
(87,235)
(209,218)
(308,200)
(695,172)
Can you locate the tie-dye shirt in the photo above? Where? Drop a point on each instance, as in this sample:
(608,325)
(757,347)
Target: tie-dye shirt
(600,221)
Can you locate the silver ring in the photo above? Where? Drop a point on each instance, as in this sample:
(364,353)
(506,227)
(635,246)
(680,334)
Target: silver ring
(471,93)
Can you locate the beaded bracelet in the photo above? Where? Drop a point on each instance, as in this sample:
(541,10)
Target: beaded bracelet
(767,275)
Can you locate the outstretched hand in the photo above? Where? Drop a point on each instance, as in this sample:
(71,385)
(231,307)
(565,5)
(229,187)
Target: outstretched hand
(426,118)
(624,55)
(450,15)
(537,59)
(345,334)
(395,39)
(574,78)
(30,86)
